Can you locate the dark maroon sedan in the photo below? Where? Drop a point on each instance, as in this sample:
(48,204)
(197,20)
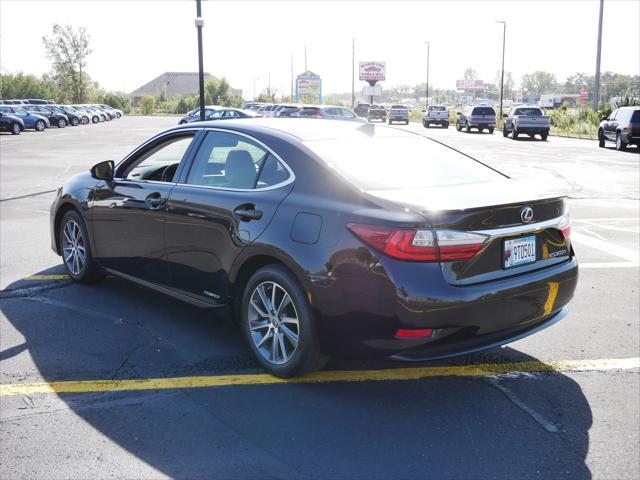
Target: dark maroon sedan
(325,238)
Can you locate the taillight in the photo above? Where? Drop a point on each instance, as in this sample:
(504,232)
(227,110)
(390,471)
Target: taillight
(565,227)
(420,245)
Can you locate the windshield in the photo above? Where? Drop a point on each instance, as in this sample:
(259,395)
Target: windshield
(529,112)
(399,162)
(21,111)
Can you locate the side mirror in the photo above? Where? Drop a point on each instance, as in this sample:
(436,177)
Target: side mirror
(103,170)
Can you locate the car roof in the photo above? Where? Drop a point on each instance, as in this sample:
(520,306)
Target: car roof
(302,129)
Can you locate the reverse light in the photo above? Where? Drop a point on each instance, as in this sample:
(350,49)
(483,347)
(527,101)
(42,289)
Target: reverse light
(565,227)
(420,245)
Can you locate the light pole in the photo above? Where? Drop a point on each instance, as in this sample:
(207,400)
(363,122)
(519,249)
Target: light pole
(596,93)
(427,99)
(504,36)
(199,25)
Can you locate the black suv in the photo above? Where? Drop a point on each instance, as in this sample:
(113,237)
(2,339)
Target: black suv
(621,126)
(362,109)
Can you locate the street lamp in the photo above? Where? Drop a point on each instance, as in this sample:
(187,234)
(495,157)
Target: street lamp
(427,99)
(199,25)
(504,35)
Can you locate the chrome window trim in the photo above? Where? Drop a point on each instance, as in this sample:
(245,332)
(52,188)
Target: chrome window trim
(519,229)
(289,180)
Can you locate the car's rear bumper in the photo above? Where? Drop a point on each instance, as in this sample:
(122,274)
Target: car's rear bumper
(631,139)
(399,119)
(360,314)
(482,124)
(526,130)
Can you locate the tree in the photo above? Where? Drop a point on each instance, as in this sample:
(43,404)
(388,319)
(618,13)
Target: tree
(508,82)
(147,104)
(539,83)
(68,51)
(470,74)
(20,85)
(218,92)
(117,100)
(267,96)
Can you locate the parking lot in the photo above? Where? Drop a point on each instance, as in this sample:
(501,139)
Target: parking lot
(113,380)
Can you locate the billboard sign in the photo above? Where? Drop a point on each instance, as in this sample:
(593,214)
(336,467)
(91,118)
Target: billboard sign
(469,84)
(309,85)
(372,71)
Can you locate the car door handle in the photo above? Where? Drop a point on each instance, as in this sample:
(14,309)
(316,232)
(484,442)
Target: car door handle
(247,212)
(154,200)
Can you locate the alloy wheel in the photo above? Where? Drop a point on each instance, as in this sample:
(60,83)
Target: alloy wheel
(73,247)
(39,125)
(273,323)
(15,129)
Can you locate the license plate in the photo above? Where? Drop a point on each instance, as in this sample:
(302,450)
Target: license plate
(519,251)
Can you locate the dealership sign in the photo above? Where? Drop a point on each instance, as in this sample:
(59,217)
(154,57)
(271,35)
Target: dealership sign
(469,84)
(308,84)
(372,71)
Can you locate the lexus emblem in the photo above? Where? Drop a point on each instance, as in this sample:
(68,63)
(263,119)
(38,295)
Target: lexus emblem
(526,214)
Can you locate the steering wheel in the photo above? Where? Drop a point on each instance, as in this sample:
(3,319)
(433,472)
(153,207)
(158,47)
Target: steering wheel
(168,173)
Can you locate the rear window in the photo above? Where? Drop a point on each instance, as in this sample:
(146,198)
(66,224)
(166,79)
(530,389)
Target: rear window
(398,106)
(399,162)
(437,108)
(483,111)
(529,112)
(635,118)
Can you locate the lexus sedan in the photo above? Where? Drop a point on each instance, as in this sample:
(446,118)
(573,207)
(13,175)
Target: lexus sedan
(220,114)
(325,238)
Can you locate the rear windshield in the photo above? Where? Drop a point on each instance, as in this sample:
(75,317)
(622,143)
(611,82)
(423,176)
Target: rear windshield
(483,111)
(289,109)
(635,118)
(398,106)
(399,162)
(437,108)
(529,112)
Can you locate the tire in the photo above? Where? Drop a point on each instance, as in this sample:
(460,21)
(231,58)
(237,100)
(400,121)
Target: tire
(480,130)
(75,122)
(505,132)
(514,134)
(389,122)
(16,129)
(544,137)
(95,119)
(40,126)
(118,115)
(468,128)
(601,140)
(406,122)
(73,233)
(62,123)
(491,130)
(445,125)
(425,124)
(295,353)
(620,145)
(458,126)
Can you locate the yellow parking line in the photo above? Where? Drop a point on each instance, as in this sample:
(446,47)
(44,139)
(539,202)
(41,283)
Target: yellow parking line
(47,277)
(481,370)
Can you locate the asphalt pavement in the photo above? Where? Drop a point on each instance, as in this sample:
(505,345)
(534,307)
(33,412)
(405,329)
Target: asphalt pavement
(115,381)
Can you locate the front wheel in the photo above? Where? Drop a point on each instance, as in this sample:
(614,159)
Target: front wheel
(75,122)
(62,123)
(620,145)
(277,322)
(76,249)
(95,119)
(16,129)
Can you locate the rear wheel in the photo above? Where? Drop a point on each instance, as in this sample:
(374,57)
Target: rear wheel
(75,122)
(40,126)
(620,145)
(491,130)
(277,322)
(468,129)
(425,124)
(514,134)
(95,119)
(16,129)
(62,123)
(458,126)
(505,132)
(445,125)
(76,249)
(600,139)
(544,137)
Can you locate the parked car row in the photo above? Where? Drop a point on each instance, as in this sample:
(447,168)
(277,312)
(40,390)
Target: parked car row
(19,115)
(253,110)
(392,114)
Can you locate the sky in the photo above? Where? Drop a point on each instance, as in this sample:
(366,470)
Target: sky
(249,42)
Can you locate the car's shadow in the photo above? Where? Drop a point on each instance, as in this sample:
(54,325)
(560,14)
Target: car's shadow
(438,427)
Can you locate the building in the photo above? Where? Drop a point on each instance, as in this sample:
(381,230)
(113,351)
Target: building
(173,84)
